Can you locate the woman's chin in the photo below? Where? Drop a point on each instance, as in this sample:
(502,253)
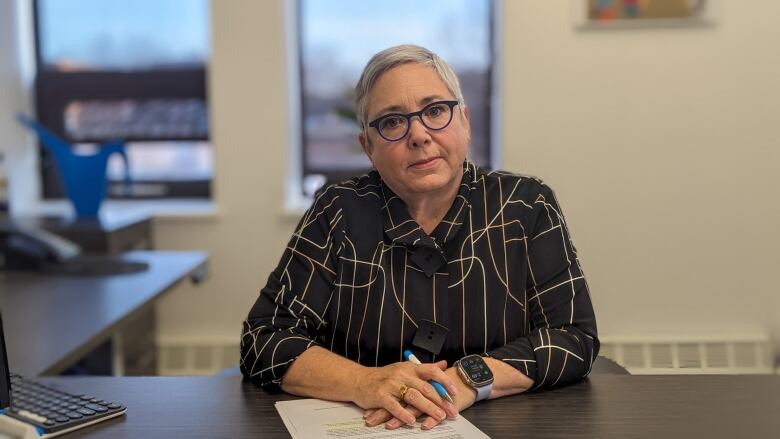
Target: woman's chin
(429,183)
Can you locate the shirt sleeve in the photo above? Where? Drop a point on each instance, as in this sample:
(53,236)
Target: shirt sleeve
(287,317)
(563,342)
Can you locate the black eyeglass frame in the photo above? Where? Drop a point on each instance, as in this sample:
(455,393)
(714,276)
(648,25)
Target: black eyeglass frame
(408,116)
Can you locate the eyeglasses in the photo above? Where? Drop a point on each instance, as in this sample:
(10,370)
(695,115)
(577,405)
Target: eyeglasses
(395,126)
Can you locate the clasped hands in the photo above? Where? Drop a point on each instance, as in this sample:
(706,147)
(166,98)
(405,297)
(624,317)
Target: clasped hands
(399,393)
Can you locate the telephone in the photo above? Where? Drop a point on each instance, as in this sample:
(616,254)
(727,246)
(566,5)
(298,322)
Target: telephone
(33,249)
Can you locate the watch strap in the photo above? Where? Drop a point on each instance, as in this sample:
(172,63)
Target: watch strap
(483,392)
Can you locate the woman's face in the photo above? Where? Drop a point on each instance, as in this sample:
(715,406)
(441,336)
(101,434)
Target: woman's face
(424,161)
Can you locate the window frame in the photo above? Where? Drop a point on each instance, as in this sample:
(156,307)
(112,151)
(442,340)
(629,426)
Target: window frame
(296,200)
(54,90)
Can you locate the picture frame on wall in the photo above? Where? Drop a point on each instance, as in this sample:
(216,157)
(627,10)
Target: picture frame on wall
(605,14)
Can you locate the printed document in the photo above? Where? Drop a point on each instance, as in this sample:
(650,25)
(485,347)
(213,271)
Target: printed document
(315,418)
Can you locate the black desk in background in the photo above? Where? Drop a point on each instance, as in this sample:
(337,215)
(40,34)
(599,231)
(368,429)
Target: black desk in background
(603,406)
(112,233)
(52,321)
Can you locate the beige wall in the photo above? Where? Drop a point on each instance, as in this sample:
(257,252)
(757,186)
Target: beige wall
(660,143)
(19,165)
(249,115)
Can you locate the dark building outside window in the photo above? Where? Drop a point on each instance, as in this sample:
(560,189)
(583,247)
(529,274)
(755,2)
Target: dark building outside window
(336,39)
(133,70)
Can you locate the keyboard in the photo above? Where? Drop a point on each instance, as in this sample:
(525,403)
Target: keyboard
(53,411)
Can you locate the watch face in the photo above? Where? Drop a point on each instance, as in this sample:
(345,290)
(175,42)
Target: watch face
(477,370)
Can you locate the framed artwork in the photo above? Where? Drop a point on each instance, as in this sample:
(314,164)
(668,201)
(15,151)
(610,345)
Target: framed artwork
(631,13)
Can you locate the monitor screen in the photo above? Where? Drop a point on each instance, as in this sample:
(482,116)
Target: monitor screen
(3,187)
(5,380)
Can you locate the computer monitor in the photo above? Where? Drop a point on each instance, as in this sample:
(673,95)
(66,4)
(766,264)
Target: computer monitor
(4,197)
(5,376)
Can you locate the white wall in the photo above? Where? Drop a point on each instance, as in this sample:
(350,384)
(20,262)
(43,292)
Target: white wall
(660,143)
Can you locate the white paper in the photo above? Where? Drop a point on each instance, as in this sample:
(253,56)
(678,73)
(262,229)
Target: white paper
(315,418)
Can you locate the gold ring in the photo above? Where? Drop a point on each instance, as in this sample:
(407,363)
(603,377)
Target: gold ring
(402,390)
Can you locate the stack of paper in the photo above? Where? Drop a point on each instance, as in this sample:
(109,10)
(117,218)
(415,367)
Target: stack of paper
(315,418)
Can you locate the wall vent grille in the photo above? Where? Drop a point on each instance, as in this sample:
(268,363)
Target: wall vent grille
(683,355)
(196,357)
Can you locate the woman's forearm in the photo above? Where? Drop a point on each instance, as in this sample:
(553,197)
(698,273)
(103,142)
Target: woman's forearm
(319,373)
(507,380)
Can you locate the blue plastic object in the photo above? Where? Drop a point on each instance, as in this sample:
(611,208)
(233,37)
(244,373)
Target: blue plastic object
(83,177)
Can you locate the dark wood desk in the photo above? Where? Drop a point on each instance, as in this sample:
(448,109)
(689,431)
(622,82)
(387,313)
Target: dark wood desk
(604,406)
(51,321)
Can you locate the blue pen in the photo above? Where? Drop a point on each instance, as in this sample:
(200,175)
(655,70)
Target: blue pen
(409,356)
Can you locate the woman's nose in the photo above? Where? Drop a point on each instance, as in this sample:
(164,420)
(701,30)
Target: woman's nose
(418,134)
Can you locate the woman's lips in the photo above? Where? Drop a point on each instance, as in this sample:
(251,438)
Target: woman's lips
(427,163)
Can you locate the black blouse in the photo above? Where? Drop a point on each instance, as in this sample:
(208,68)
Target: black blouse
(359,274)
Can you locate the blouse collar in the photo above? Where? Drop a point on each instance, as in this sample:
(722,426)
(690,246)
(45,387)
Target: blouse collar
(402,229)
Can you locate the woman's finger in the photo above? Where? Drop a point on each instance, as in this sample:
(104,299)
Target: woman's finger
(414,398)
(368,412)
(397,410)
(395,423)
(433,372)
(430,392)
(429,423)
(377,417)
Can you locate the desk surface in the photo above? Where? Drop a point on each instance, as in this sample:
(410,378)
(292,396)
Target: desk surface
(51,321)
(604,406)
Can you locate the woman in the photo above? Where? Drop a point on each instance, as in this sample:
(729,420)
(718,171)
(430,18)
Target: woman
(426,236)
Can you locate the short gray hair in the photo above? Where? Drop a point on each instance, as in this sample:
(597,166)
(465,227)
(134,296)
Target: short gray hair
(394,57)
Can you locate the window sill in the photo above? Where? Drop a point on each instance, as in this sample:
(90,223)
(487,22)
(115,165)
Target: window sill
(171,210)
(295,206)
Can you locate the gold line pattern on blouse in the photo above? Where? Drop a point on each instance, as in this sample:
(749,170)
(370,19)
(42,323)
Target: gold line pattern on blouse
(500,272)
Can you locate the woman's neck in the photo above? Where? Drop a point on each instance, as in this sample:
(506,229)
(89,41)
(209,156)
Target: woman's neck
(429,209)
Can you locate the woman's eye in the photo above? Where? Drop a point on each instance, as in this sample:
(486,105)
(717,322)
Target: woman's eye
(391,122)
(434,111)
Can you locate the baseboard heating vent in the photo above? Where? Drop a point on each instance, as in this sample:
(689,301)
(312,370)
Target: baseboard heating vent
(745,355)
(684,355)
(196,357)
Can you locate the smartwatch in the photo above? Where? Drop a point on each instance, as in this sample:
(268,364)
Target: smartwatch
(476,373)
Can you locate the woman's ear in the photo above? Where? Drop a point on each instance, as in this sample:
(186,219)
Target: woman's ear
(366,144)
(467,121)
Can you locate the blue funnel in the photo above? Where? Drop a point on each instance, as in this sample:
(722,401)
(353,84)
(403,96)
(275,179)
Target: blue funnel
(83,177)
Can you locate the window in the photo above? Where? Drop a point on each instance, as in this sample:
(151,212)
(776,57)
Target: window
(336,39)
(132,70)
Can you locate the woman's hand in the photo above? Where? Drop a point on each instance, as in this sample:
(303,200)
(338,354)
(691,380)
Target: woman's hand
(380,388)
(464,398)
